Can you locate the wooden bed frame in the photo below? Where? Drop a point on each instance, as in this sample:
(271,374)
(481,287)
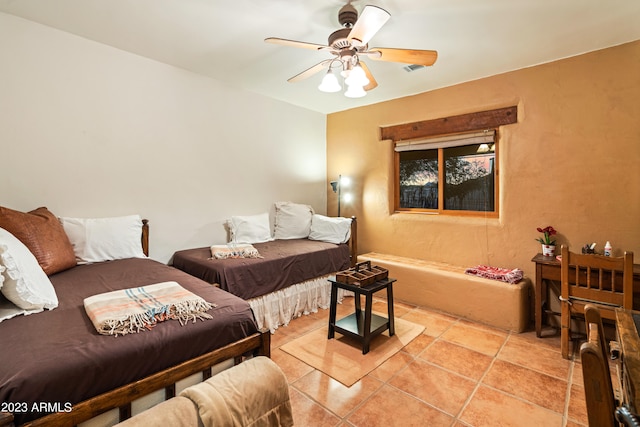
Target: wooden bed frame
(353,241)
(258,344)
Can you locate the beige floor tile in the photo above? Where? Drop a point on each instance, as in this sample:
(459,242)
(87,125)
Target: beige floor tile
(435,323)
(442,389)
(577,410)
(541,389)
(392,366)
(292,367)
(480,340)
(551,342)
(434,378)
(281,336)
(402,308)
(391,407)
(535,357)
(484,327)
(576,374)
(490,408)
(461,360)
(302,325)
(419,344)
(306,412)
(335,396)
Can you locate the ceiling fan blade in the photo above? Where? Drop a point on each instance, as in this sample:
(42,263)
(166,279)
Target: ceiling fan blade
(370,21)
(294,43)
(309,71)
(372,81)
(407,56)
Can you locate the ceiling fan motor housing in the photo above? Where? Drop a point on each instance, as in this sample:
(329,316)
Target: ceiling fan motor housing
(338,39)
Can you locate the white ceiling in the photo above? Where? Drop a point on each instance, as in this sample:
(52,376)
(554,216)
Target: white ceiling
(224,39)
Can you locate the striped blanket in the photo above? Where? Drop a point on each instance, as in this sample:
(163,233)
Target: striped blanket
(131,310)
(234,251)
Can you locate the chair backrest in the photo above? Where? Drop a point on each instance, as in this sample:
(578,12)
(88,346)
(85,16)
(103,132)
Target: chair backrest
(598,390)
(592,317)
(607,281)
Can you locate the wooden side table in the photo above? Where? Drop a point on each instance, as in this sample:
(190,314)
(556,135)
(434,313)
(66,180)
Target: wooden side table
(548,276)
(362,325)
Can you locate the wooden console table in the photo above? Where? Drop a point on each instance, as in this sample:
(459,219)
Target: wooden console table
(548,275)
(629,361)
(362,325)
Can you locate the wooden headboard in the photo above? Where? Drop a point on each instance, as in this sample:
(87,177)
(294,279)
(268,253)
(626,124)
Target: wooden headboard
(353,241)
(145,236)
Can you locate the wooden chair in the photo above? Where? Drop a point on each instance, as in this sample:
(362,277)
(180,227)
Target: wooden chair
(598,390)
(627,418)
(606,282)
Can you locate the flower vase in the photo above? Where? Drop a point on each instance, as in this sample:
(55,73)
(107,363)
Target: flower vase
(548,250)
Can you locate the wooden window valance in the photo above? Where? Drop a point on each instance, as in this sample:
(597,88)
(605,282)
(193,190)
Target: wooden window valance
(490,119)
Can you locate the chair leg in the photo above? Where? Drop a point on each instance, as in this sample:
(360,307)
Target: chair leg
(564,342)
(565,330)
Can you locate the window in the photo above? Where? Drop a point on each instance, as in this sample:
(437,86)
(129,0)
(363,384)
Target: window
(452,174)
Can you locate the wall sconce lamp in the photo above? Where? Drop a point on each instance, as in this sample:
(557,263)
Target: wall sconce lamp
(336,186)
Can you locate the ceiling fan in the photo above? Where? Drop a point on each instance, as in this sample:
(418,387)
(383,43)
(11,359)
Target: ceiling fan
(349,45)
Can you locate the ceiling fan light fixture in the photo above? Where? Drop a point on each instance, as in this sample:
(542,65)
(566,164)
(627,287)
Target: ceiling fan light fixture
(330,83)
(350,43)
(357,77)
(355,91)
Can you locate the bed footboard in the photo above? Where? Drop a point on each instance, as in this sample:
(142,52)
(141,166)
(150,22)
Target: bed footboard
(258,344)
(353,241)
(6,419)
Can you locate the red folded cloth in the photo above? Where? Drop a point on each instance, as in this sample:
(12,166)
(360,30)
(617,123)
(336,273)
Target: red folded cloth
(496,273)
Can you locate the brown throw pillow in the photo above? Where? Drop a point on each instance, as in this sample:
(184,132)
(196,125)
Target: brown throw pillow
(42,233)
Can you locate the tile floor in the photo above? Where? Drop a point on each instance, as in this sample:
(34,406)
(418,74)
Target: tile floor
(457,373)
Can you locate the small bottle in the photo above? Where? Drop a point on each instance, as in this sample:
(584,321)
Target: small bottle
(607,249)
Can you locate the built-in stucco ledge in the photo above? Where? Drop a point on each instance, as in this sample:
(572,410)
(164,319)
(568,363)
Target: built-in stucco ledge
(447,288)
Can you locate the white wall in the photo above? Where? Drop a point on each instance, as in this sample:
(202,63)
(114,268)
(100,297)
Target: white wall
(91,131)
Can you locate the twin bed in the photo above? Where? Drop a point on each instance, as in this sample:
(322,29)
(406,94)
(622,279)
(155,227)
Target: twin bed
(288,280)
(57,370)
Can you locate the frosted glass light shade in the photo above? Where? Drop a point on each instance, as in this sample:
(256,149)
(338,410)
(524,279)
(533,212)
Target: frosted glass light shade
(357,76)
(355,91)
(330,83)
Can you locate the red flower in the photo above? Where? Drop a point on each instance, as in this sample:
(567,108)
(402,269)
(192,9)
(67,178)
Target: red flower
(548,231)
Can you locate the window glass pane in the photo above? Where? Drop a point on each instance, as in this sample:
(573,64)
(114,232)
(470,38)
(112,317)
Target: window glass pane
(469,178)
(419,179)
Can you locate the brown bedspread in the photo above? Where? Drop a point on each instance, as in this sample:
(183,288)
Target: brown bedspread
(284,263)
(57,357)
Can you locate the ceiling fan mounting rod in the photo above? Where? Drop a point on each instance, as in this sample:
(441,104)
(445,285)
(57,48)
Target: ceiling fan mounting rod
(347,16)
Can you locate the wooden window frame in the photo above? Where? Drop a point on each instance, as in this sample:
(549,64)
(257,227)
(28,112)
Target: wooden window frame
(441,181)
(491,119)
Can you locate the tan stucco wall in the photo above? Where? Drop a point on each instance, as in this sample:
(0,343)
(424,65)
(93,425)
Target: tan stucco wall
(571,161)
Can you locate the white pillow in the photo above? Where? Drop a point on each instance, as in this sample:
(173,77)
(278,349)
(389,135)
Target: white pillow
(332,230)
(293,221)
(250,229)
(105,239)
(9,309)
(25,282)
